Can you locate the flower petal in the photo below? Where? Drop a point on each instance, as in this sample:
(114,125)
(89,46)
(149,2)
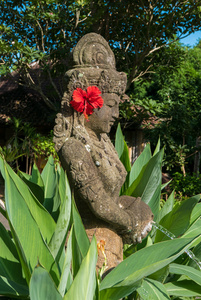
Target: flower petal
(86,101)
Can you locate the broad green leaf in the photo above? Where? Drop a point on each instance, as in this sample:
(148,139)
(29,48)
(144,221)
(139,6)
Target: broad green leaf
(42,286)
(148,180)
(119,292)
(152,289)
(56,199)
(36,177)
(3,212)
(77,255)
(177,221)
(10,266)
(57,242)
(37,190)
(161,274)
(185,288)
(84,284)
(66,277)
(140,162)
(192,273)
(167,207)
(11,288)
(154,200)
(197,253)
(125,159)
(140,264)
(119,141)
(196,213)
(49,178)
(80,233)
(152,178)
(38,212)
(2,167)
(193,230)
(26,233)
(157,149)
(35,182)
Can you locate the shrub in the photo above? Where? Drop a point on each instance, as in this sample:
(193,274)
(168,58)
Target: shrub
(36,264)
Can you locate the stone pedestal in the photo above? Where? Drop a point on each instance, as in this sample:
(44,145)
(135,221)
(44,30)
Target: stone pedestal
(109,244)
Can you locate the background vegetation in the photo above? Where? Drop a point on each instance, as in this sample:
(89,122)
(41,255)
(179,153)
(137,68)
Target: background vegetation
(163,76)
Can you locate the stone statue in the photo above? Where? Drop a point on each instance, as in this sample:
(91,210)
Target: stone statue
(89,108)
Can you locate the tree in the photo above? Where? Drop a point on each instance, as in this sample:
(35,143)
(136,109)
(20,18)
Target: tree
(45,32)
(172,95)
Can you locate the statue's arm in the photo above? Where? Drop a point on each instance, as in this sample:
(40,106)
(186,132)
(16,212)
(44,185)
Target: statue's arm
(84,177)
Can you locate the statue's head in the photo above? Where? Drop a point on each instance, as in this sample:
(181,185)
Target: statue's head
(93,69)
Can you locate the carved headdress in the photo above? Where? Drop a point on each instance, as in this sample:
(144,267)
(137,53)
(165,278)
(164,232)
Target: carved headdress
(93,65)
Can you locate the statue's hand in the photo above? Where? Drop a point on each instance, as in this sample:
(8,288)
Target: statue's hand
(141,217)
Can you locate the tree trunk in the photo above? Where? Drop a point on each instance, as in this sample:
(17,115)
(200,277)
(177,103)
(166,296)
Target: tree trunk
(197,157)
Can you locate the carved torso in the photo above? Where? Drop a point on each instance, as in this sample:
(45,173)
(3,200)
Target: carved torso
(109,167)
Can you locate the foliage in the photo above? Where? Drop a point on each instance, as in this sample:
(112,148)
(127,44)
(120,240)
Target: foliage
(39,266)
(39,35)
(167,104)
(43,146)
(181,219)
(185,186)
(26,142)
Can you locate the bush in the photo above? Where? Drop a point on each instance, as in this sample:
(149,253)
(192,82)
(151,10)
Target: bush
(185,186)
(35,264)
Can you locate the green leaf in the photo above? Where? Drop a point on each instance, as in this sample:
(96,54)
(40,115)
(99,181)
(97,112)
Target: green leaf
(38,212)
(49,178)
(186,270)
(160,275)
(119,141)
(37,190)
(22,208)
(193,230)
(80,233)
(10,266)
(185,288)
(157,149)
(57,242)
(196,213)
(66,277)
(84,284)
(42,286)
(36,177)
(140,264)
(152,289)
(12,288)
(177,221)
(167,207)
(148,180)
(77,256)
(125,159)
(197,253)
(140,162)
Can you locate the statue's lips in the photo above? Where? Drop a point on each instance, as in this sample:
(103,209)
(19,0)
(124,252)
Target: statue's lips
(112,122)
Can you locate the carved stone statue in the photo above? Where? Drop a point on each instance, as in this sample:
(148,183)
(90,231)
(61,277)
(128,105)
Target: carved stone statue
(89,108)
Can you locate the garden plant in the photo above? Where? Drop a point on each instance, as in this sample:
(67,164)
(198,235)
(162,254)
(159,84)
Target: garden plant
(37,263)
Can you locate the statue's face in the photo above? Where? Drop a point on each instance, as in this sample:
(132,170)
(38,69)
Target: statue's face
(102,119)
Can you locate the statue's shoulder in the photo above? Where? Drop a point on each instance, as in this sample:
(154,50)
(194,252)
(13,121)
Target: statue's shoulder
(74,148)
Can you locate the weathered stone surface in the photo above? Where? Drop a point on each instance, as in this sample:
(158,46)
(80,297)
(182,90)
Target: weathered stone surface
(110,244)
(94,170)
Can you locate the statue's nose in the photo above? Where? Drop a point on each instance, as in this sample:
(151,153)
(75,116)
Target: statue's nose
(115,112)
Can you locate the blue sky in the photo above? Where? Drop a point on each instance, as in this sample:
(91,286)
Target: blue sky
(192,39)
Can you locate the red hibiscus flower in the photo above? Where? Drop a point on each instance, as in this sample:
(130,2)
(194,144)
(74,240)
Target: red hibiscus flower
(86,101)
